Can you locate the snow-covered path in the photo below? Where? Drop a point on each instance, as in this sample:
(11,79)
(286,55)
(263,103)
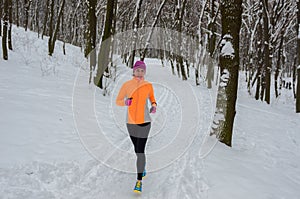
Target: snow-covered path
(178,125)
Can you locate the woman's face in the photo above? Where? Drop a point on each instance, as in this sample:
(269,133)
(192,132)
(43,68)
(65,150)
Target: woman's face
(139,72)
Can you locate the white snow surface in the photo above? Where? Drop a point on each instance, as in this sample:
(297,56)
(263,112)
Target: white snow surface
(44,155)
(227,49)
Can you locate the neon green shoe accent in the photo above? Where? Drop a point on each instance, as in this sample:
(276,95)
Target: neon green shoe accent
(138,187)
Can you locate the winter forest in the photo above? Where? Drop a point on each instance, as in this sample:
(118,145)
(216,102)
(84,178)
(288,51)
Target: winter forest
(262,35)
(210,43)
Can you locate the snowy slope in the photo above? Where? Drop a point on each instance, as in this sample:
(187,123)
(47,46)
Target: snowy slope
(61,138)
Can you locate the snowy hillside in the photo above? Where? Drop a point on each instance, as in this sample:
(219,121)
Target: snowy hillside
(61,138)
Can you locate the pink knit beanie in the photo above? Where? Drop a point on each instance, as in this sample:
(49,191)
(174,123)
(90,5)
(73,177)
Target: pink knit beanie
(139,64)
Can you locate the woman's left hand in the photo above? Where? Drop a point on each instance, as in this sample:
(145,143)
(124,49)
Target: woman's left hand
(153,109)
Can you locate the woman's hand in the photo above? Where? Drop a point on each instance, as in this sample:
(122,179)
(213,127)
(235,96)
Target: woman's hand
(153,109)
(128,101)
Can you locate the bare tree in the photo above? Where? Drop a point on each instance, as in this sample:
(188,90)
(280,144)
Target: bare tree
(259,59)
(211,43)
(91,35)
(152,28)
(27,4)
(5,27)
(1,8)
(251,21)
(103,57)
(135,26)
(53,37)
(35,22)
(46,11)
(231,11)
(51,26)
(17,13)
(180,9)
(10,25)
(267,60)
(201,53)
(298,58)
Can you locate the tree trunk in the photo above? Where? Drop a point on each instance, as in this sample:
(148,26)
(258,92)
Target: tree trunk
(211,46)
(91,35)
(27,4)
(210,71)
(37,18)
(53,38)
(103,57)
(267,61)
(17,12)
(259,61)
(5,27)
(231,12)
(177,43)
(1,8)
(294,76)
(10,25)
(201,50)
(65,36)
(135,26)
(183,72)
(298,59)
(278,65)
(179,21)
(45,18)
(113,30)
(91,29)
(51,27)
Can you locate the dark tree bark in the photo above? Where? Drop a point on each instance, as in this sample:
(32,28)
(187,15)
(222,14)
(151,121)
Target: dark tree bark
(53,37)
(298,60)
(294,76)
(278,65)
(51,25)
(180,58)
(1,8)
(64,35)
(211,45)
(92,28)
(267,60)
(17,13)
(177,45)
(91,35)
(46,10)
(5,27)
(180,9)
(103,57)
(231,12)
(10,24)
(37,18)
(27,4)
(259,61)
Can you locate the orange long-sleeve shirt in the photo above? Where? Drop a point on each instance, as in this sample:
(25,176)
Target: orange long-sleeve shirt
(139,90)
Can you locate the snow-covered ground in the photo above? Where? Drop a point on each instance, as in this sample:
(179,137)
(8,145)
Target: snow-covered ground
(61,138)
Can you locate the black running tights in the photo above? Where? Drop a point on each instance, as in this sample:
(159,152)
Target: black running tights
(139,135)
